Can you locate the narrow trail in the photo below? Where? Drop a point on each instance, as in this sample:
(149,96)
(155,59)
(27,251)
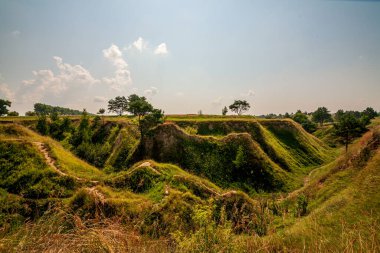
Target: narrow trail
(52,164)
(49,160)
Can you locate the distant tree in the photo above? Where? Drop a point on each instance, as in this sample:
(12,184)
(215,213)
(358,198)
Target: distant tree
(3,106)
(370,113)
(83,132)
(30,113)
(154,118)
(299,117)
(118,105)
(338,115)
(321,115)
(239,106)
(42,125)
(55,126)
(138,106)
(101,112)
(200,113)
(348,127)
(66,125)
(287,115)
(43,109)
(304,121)
(224,111)
(54,116)
(13,113)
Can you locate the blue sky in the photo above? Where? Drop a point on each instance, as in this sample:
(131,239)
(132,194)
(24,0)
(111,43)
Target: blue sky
(187,56)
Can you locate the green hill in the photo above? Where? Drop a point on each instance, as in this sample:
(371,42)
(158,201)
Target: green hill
(192,185)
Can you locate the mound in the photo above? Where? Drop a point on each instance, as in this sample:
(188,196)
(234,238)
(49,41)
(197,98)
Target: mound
(235,160)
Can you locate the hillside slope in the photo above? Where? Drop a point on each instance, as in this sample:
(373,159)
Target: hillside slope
(249,154)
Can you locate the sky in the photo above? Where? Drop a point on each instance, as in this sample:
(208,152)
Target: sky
(186,56)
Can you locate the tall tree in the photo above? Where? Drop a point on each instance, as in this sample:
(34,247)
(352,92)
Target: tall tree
(348,127)
(154,118)
(304,121)
(138,106)
(3,106)
(321,115)
(224,111)
(370,113)
(101,112)
(118,105)
(239,106)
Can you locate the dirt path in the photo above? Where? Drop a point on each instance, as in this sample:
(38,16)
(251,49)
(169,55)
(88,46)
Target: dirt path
(49,160)
(52,163)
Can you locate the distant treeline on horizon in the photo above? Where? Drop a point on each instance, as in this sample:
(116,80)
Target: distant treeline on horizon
(44,109)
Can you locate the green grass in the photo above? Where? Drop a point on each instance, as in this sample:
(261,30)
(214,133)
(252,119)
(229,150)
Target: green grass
(184,209)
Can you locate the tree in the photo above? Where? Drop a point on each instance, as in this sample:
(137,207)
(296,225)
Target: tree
(138,106)
(299,117)
(13,113)
(42,125)
(338,115)
(239,106)
(304,121)
(118,105)
(3,106)
(30,113)
(40,109)
(224,111)
(321,115)
(151,120)
(370,113)
(348,127)
(101,112)
(83,133)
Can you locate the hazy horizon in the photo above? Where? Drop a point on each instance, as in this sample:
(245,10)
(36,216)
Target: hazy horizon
(188,56)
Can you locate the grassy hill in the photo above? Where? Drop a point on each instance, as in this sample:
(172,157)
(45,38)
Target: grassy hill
(192,185)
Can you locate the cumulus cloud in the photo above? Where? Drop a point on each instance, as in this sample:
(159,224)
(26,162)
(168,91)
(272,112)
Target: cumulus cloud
(151,91)
(99,99)
(140,44)
(161,49)
(7,92)
(217,101)
(46,81)
(122,77)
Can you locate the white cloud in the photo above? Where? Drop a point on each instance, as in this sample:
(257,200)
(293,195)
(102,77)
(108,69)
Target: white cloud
(69,72)
(140,44)
(7,92)
(250,93)
(15,33)
(161,49)
(28,82)
(151,91)
(179,94)
(99,99)
(46,81)
(122,75)
(217,101)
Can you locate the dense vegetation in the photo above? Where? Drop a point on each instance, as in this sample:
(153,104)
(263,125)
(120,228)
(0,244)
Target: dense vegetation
(43,109)
(193,184)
